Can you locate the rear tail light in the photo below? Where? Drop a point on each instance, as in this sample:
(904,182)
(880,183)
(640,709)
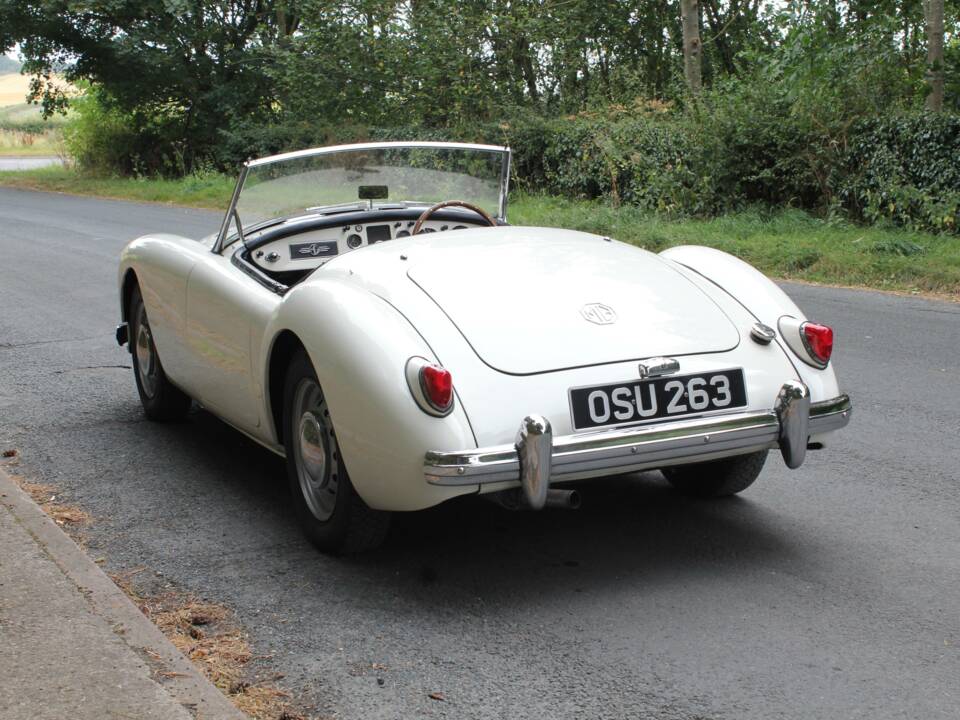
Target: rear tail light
(437,383)
(809,341)
(431,386)
(818,340)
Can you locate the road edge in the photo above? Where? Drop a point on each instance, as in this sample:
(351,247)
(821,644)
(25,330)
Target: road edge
(181,679)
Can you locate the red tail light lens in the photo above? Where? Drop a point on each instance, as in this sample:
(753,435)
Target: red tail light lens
(437,384)
(819,341)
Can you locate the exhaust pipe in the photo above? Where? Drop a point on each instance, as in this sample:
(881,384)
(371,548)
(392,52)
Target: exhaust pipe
(563,499)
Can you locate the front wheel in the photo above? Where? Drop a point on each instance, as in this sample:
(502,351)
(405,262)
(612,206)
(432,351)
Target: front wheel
(332,515)
(717,478)
(161,399)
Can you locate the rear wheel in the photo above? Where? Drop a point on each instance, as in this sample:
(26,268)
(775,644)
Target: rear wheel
(332,515)
(717,478)
(160,398)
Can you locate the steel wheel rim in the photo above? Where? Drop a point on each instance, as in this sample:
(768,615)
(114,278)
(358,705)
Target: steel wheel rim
(147,363)
(315,457)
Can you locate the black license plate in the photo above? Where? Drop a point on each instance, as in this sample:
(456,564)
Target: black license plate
(657,399)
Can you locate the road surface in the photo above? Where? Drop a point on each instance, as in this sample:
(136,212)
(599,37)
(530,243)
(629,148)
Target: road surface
(27,162)
(828,592)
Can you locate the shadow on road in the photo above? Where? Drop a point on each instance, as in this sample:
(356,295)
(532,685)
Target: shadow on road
(631,529)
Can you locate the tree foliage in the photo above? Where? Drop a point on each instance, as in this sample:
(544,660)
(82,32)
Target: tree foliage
(593,93)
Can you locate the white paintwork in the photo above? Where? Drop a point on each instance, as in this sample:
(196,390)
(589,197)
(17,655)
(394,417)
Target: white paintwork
(764,300)
(517,297)
(361,317)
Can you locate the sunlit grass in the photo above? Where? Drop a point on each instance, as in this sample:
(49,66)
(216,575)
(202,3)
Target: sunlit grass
(24,132)
(783,243)
(28,144)
(206,190)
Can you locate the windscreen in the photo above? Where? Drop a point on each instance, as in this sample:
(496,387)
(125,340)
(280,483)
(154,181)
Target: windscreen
(309,183)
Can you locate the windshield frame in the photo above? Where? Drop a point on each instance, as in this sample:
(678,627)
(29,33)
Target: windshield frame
(221,241)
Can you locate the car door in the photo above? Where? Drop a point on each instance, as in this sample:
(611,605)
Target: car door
(223,306)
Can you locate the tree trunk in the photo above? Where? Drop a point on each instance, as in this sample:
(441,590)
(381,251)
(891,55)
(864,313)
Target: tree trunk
(933,9)
(690,21)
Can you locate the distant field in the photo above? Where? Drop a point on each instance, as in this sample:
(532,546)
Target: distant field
(13,89)
(23,131)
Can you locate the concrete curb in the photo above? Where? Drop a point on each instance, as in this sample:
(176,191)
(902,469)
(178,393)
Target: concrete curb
(181,679)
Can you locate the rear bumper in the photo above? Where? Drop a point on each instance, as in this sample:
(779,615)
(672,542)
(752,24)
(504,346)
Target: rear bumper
(538,459)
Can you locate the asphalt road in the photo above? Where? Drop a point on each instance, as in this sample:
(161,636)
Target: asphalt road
(828,592)
(27,162)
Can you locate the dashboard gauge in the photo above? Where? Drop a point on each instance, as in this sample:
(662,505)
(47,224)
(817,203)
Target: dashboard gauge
(459,227)
(427,230)
(354,241)
(402,233)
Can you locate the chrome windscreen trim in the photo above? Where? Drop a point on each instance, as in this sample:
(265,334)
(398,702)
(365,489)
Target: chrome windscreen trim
(625,450)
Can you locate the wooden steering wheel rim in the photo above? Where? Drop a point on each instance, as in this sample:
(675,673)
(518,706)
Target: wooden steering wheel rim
(425,215)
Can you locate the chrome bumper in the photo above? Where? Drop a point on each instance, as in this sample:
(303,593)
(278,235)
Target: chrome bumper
(538,459)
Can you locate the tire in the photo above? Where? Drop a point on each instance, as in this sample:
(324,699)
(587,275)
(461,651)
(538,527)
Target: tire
(160,398)
(331,514)
(717,478)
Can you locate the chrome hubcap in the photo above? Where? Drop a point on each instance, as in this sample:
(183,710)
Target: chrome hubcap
(147,367)
(315,455)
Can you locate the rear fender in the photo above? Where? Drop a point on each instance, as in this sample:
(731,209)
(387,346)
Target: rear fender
(761,297)
(359,345)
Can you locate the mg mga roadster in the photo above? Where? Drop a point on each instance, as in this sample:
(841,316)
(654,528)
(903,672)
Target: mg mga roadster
(367,312)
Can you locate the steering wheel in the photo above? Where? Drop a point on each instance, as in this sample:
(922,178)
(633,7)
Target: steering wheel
(451,203)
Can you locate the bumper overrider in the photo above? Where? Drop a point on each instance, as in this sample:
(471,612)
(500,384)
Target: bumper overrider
(537,458)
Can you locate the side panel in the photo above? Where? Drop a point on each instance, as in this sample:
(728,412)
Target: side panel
(359,346)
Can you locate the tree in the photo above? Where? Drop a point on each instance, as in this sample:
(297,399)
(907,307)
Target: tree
(179,70)
(933,11)
(690,21)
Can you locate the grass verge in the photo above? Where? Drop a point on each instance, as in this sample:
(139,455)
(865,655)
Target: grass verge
(208,190)
(788,244)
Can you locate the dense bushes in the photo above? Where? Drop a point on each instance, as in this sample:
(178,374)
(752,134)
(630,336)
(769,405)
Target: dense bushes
(904,169)
(741,146)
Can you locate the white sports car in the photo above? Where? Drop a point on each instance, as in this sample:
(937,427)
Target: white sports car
(401,348)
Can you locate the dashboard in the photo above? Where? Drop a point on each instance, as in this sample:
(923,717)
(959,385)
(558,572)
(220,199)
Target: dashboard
(292,248)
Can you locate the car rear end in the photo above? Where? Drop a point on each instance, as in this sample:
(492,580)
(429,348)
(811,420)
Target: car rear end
(576,357)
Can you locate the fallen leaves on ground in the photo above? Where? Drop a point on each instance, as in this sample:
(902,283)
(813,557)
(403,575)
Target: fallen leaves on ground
(210,637)
(68,517)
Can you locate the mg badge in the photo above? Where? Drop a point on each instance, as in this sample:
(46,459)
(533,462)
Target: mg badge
(598,313)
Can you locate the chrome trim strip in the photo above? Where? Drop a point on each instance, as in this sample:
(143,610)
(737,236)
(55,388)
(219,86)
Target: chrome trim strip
(374,146)
(504,182)
(248,269)
(636,448)
(225,225)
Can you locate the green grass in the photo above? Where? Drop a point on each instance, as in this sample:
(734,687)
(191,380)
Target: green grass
(786,243)
(208,190)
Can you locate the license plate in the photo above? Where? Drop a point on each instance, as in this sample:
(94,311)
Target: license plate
(657,399)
